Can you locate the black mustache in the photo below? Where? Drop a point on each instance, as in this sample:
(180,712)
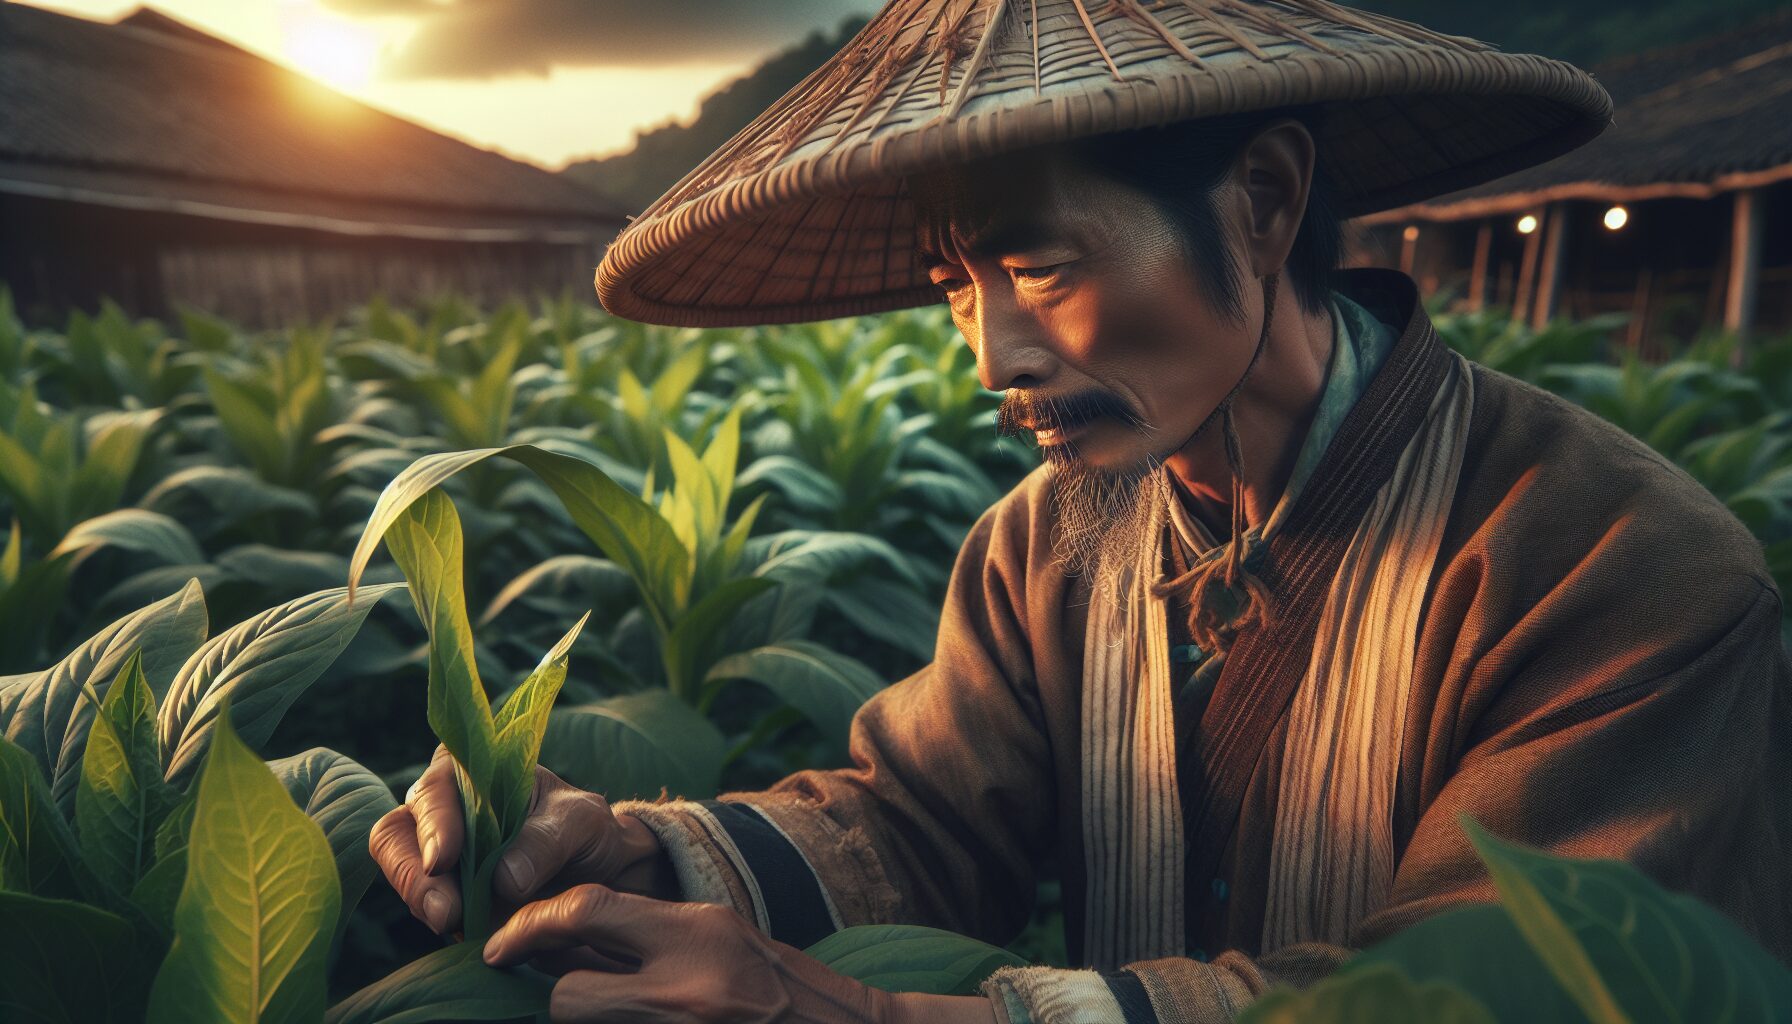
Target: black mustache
(1023,412)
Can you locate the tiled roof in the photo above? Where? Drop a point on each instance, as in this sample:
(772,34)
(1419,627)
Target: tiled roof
(1688,114)
(160,110)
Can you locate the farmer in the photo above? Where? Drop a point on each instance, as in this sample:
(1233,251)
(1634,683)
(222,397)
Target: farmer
(1295,589)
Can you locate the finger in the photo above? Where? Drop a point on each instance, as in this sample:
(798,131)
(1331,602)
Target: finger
(393,842)
(589,915)
(435,801)
(564,825)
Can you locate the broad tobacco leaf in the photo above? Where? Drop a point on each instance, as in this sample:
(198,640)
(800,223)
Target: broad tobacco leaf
(1628,950)
(635,745)
(826,686)
(256,914)
(451,984)
(520,724)
(628,530)
(1373,995)
(260,666)
(909,958)
(50,717)
(345,800)
(426,542)
(37,850)
(121,799)
(63,962)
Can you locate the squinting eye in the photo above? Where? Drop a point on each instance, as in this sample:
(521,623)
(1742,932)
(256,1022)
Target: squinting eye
(1035,273)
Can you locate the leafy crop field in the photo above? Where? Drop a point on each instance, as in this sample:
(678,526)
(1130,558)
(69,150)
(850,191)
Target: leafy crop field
(648,558)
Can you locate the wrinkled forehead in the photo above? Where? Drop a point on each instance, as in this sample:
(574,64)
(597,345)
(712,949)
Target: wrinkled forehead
(999,202)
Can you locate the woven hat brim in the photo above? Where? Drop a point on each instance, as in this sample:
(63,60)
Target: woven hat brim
(824,229)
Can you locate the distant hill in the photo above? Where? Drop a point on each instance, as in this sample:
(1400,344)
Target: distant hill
(1582,31)
(662,155)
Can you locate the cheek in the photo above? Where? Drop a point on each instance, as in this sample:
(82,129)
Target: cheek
(1145,330)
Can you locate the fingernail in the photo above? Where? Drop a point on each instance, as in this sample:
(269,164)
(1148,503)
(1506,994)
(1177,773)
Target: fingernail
(430,846)
(435,909)
(491,949)
(518,871)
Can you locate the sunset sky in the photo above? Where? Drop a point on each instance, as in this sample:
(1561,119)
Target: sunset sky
(545,80)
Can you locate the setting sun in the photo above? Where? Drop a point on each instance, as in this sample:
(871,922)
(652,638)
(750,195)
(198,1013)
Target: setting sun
(332,51)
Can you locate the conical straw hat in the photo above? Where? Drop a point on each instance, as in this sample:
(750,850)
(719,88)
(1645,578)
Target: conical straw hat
(803,216)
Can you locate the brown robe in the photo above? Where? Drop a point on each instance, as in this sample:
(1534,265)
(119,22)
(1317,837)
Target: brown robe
(1600,673)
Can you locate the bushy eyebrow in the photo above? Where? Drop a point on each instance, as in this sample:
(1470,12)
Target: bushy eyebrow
(997,238)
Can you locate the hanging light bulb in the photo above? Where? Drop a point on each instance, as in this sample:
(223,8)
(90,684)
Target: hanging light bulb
(1411,234)
(1616,217)
(1527,223)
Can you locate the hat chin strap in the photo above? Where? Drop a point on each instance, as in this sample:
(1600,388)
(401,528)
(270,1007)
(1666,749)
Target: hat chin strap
(1205,626)
(1223,412)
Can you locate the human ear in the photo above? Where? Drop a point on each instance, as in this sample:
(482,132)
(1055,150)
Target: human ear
(1274,172)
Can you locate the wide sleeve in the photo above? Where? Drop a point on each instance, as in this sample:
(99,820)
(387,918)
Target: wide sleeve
(948,805)
(1671,757)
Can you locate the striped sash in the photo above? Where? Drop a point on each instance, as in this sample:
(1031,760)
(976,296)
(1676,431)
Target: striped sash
(1332,861)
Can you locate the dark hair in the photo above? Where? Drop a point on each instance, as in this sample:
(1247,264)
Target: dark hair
(1178,166)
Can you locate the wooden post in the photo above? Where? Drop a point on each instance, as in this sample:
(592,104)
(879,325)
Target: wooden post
(1477,277)
(1527,273)
(1549,276)
(1745,261)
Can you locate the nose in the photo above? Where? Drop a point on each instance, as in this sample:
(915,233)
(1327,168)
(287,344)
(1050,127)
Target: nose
(1011,349)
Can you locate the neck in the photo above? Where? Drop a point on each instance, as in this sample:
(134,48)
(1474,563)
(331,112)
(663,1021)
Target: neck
(1273,411)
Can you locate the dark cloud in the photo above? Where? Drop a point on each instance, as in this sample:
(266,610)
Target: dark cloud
(488,38)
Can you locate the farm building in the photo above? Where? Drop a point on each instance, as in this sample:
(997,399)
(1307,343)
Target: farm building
(1680,214)
(151,163)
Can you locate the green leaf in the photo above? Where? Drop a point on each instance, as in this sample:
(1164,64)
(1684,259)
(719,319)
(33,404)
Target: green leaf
(691,645)
(909,958)
(231,493)
(121,799)
(159,892)
(827,687)
(50,715)
(804,487)
(10,559)
(249,424)
(1478,949)
(259,906)
(1376,995)
(815,557)
(37,851)
(520,724)
(116,439)
(635,745)
(895,613)
(451,984)
(135,529)
(625,529)
(1627,950)
(68,963)
(593,579)
(27,606)
(426,542)
(345,800)
(260,666)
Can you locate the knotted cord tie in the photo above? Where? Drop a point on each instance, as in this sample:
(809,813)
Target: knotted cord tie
(1206,581)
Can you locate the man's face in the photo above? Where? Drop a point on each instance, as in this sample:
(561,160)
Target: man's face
(1080,302)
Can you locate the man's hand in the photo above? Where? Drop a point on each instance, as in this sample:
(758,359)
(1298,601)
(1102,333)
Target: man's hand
(569,838)
(697,962)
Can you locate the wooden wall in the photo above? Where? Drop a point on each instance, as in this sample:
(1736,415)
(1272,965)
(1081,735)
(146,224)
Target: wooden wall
(56,256)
